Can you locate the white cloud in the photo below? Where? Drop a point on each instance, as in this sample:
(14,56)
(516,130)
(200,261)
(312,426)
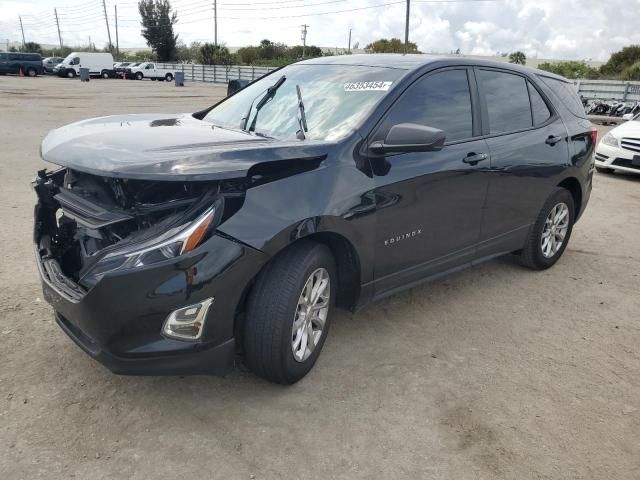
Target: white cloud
(571,29)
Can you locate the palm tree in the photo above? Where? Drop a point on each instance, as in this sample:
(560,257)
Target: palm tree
(518,58)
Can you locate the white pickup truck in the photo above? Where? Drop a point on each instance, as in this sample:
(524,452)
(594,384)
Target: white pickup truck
(149,70)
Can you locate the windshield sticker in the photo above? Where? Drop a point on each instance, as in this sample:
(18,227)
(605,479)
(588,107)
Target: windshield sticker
(367,86)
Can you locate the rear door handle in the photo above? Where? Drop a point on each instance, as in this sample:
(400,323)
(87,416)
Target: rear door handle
(474,158)
(551,140)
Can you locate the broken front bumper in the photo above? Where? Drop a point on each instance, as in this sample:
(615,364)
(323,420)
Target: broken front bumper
(119,321)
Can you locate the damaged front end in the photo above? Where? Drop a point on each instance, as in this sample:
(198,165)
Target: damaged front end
(87,226)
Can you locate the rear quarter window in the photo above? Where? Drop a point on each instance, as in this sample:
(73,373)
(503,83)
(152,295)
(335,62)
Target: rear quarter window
(567,94)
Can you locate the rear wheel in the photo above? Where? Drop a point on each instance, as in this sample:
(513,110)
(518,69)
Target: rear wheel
(604,170)
(549,235)
(287,317)
(105,74)
(168,77)
(31,72)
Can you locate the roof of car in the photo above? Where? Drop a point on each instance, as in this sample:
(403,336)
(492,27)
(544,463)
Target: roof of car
(415,61)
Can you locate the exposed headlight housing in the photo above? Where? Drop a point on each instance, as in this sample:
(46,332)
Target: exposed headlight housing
(610,140)
(172,243)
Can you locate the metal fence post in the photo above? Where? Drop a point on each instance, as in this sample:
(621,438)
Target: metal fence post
(626,92)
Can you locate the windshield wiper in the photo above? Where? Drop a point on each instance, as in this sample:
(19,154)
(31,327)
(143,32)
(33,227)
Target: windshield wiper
(302,118)
(271,91)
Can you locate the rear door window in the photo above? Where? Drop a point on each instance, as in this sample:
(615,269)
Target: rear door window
(541,112)
(507,101)
(441,100)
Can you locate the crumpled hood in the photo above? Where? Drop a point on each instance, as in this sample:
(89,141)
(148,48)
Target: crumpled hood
(166,147)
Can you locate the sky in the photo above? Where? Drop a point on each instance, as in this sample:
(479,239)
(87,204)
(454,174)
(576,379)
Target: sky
(559,29)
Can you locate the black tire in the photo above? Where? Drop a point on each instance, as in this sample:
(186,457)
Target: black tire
(531,255)
(168,77)
(139,76)
(105,74)
(71,73)
(604,170)
(31,72)
(272,307)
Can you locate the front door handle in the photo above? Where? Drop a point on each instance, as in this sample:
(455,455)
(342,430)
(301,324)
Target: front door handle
(552,140)
(474,158)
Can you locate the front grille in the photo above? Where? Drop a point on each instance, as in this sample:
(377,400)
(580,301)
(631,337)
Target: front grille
(623,162)
(632,144)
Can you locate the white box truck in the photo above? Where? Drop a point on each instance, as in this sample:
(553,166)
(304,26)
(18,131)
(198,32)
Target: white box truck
(100,64)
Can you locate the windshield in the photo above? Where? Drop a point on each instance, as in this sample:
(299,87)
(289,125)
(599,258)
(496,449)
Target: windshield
(336,98)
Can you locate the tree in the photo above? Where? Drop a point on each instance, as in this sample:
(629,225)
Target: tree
(632,72)
(157,27)
(395,45)
(210,54)
(519,58)
(571,69)
(32,47)
(621,60)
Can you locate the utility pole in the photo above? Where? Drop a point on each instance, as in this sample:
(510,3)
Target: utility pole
(349,49)
(55,10)
(304,38)
(90,43)
(22,28)
(106,19)
(406,29)
(115,7)
(215,23)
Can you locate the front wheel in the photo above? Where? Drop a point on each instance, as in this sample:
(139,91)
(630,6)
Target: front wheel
(168,77)
(139,76)
(288,312)
(31,72)
(549,235)
(71,73)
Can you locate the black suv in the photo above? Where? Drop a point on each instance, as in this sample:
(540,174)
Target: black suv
(177,244)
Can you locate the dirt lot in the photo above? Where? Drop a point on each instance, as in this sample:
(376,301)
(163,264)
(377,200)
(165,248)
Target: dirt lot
(496,372)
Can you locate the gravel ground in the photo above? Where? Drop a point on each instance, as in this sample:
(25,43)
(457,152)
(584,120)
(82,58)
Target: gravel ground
(495,372)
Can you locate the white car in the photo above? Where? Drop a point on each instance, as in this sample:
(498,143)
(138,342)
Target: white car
(149,70)
(620,149)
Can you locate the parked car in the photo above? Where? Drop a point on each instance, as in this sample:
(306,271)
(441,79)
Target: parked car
(120,68)
(619,150)
(50,63)
(100,64)
(177,244)
(29,64)
(149,70)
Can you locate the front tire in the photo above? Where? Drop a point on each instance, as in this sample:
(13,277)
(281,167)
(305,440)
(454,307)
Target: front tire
(604,170)
(549,235)
(31,72)
(288,313)
(71,73)
(139,76)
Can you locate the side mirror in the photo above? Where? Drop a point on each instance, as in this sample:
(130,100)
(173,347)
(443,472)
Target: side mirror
(410,137)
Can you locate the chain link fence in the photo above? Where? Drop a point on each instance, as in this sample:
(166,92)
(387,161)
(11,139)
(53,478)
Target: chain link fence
(216,73)
(609,90)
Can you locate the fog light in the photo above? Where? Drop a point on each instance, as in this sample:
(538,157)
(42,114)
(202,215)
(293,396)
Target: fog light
(187,323)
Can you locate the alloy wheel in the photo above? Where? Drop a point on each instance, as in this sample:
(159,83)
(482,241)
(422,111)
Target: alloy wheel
(555,230)
(311,314)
